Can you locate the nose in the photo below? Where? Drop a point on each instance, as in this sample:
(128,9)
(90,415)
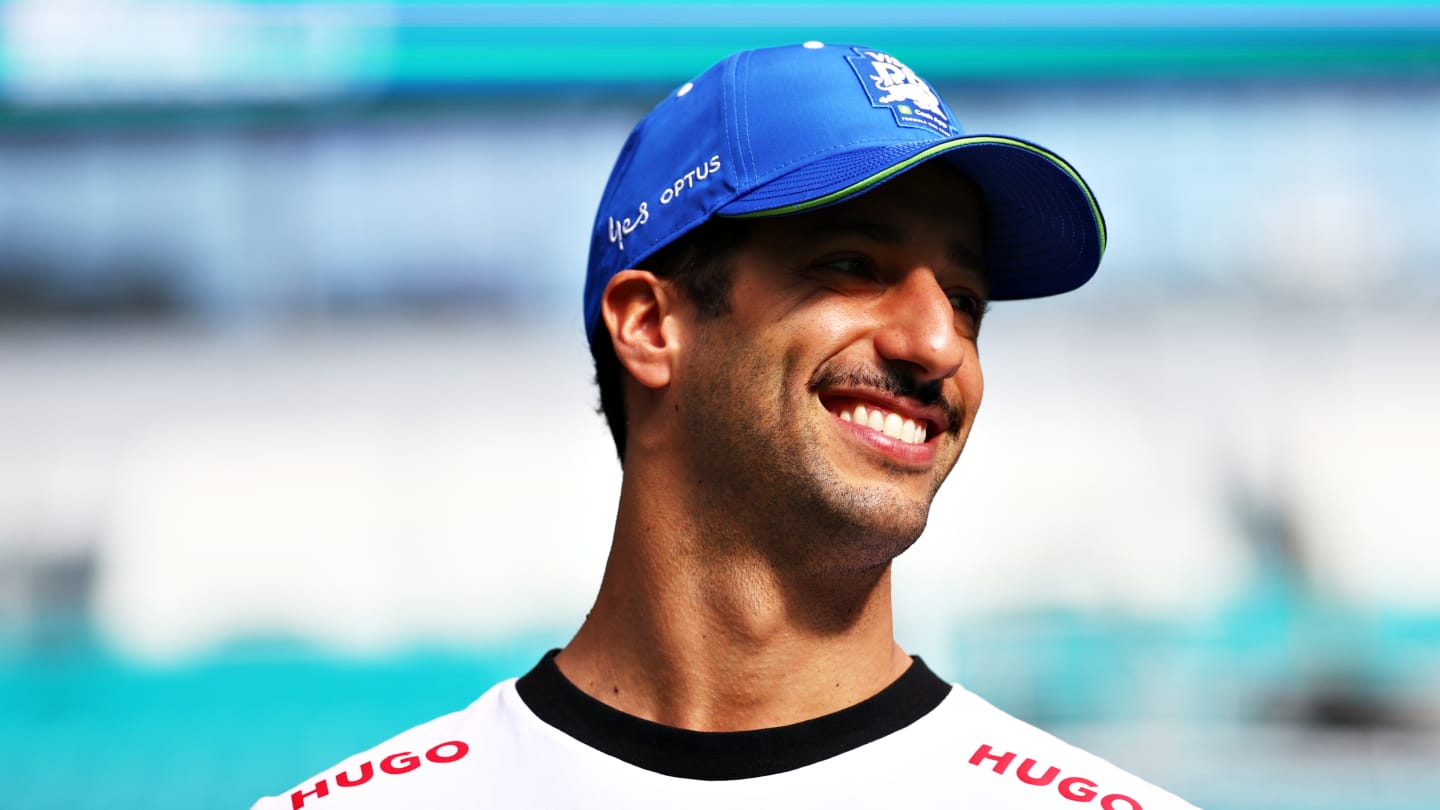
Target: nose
(919,327)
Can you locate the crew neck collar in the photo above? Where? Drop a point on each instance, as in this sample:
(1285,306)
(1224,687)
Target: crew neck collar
(711,755)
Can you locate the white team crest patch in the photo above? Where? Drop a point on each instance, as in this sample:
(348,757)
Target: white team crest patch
(891,84)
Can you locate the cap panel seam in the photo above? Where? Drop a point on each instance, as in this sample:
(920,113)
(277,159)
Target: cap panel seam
(729,126)
(745,113)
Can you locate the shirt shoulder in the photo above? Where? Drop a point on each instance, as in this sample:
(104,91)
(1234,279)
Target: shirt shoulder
(1033,767)
(422,766)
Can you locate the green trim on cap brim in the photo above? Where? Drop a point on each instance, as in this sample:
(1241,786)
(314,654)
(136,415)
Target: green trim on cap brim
(967,140)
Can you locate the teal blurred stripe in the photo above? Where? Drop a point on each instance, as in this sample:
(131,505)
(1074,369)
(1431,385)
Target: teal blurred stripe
(525,58)
(313,50)
(85,728)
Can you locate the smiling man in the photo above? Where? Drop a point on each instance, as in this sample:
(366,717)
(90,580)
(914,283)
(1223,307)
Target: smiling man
(787,279)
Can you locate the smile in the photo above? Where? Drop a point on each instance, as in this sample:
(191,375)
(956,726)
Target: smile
(891,424)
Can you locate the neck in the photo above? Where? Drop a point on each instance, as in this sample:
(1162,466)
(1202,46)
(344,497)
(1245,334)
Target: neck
(702,624)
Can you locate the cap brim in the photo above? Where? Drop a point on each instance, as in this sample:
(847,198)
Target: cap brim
(1044,232)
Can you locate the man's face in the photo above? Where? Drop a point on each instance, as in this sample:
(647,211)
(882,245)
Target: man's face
(831,402)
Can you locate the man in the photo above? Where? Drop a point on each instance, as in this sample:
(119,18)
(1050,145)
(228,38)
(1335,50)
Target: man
(788,274)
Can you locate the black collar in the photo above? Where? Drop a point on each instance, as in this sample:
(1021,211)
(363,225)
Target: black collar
(730,754)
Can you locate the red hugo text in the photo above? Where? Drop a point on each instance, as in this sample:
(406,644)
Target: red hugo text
(403,762)
(1074,788)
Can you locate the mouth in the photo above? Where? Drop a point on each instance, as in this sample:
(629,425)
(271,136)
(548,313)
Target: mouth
(891,419)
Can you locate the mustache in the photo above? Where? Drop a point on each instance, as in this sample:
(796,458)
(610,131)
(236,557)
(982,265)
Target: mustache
(894,381)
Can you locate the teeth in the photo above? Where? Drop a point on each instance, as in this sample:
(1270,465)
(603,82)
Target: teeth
(894,425)
(891,424)
(876,421)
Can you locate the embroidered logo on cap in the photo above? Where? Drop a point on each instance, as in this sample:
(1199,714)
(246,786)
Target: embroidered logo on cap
(890,84)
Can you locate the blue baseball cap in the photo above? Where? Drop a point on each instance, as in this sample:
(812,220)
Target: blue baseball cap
(786,130)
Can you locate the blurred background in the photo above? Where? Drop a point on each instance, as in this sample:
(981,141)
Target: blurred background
(297,436)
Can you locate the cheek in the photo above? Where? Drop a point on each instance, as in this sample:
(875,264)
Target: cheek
(820,334)
(838,319)
(792,345)
(734,364)
(971,382)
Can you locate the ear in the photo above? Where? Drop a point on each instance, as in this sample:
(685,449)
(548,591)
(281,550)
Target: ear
(636,306)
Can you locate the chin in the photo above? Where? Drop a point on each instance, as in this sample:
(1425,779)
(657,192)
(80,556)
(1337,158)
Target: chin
(869,527)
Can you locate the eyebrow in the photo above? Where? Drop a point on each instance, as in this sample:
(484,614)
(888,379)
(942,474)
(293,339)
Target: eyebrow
(959,254)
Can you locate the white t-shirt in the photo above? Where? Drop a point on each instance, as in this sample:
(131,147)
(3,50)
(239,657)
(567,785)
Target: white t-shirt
(539,742)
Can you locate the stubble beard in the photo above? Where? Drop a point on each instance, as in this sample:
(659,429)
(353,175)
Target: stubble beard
(767,484)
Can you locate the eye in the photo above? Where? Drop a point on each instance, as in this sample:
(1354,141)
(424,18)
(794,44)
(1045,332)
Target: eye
(850,265)
(968,303)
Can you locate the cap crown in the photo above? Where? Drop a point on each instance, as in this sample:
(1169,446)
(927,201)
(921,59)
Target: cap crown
(783,130)
(752,118)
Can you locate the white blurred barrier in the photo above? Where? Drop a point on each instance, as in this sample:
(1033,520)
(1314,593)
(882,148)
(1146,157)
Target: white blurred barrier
(358,535)
(366,488)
